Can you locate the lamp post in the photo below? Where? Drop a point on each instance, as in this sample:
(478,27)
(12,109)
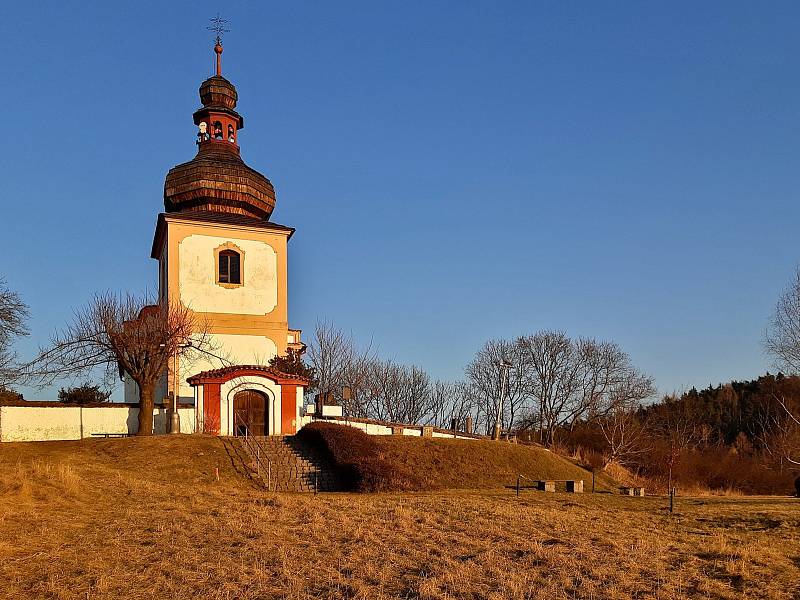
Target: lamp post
(498,425)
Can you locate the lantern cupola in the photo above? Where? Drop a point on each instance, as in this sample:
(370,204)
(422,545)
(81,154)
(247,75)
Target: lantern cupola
(217,179)
(219,97)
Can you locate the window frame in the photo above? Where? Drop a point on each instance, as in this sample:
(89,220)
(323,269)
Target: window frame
(228,247)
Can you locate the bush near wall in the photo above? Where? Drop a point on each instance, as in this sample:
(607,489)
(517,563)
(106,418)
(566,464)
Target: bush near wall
(358,458)
(87,393)
(8,396)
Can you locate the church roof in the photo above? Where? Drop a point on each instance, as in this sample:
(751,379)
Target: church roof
(217,179)
(231,219)
(217,218)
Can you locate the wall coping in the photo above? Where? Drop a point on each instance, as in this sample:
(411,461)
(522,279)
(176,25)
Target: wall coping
(462,434)
(57,404)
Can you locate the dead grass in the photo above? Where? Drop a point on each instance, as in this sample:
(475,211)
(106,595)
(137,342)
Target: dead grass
(400,463)
(443,463)
(148,519)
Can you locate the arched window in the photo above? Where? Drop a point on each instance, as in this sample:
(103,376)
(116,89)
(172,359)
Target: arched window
(217,130)
(231,136)
(230,270)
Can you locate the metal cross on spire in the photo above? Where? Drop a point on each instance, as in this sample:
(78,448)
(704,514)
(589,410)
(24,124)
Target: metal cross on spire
(218,26)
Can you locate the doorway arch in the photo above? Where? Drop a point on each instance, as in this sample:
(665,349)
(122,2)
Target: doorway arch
(250,413)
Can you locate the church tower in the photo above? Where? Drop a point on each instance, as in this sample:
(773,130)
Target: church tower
(221,256)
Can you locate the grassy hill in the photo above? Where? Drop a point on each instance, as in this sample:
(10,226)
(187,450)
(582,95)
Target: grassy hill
(62,471)
(394,463)
(458,464)
(147,518)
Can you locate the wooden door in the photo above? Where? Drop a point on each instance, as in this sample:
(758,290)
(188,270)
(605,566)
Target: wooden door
(250,413)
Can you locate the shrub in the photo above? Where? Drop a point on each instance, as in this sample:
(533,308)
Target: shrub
(292,364)
(358,459)
(9,395)
(87,393)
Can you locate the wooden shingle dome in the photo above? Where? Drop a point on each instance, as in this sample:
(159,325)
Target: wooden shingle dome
(218,91)
(217,179)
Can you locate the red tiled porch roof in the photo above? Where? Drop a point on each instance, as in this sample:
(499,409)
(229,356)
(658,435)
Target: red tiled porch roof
(227,373)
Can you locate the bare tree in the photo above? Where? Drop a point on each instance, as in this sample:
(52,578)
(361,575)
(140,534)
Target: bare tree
(356,376)
(13,316)
(578,380)
(776,429)
(674,423)
(397,393)
(782,341)
(122,334)
(555,378)
(450,402)
(337,363)
(484,377)
(625,433)
(609,381)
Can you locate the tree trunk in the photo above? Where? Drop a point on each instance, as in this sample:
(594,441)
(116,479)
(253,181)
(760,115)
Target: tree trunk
(146,408)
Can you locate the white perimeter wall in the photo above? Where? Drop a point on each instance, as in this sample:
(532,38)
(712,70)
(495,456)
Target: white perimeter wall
(381,429)
(44,423)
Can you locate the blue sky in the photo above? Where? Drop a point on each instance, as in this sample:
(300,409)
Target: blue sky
(456,171)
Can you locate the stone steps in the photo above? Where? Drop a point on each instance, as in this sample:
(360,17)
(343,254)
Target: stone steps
(294,466)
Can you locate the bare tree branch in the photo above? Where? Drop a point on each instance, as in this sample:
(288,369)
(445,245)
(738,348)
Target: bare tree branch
(120,334)
(14,314)
(782,341)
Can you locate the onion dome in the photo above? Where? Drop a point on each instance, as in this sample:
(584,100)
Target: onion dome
(218,92)
(217,179)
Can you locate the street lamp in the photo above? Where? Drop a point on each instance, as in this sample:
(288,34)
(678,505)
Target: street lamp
(498,425)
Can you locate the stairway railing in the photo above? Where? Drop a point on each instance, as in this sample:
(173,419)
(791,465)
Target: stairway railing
(255,449)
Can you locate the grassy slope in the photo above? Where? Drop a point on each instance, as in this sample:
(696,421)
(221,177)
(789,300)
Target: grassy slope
(162,460)
(446,463)
(399,463)
(146,518)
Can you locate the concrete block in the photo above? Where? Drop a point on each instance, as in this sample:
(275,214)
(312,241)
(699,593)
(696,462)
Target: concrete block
(331,411)
(576,487)
(546,486)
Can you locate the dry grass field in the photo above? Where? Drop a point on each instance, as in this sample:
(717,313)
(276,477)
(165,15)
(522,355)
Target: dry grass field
(147,518)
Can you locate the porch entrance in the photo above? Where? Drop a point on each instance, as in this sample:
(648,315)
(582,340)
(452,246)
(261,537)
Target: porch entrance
(250,413)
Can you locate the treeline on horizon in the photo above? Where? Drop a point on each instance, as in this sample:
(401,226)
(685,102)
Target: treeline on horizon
(738,436)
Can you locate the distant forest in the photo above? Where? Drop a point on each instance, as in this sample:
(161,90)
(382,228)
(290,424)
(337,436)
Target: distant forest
(739,436)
